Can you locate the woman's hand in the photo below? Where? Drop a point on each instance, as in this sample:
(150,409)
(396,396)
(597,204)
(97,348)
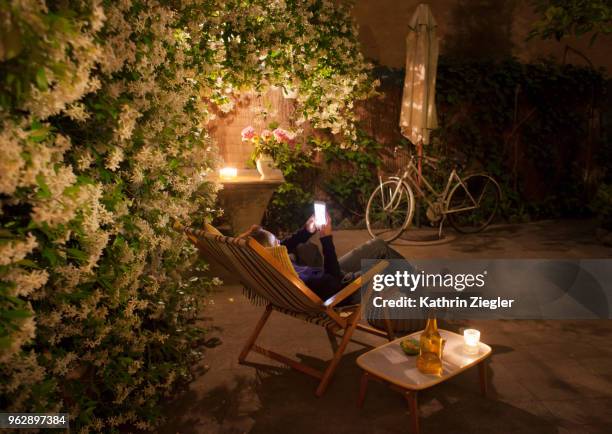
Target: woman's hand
(326,229)
(310,225)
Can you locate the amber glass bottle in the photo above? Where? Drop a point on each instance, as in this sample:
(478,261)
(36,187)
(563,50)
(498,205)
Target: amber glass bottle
(429,360)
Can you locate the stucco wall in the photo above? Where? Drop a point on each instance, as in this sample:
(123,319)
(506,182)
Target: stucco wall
(491,28)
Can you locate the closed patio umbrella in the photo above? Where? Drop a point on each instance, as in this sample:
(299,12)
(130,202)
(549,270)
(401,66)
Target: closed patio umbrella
(418,114)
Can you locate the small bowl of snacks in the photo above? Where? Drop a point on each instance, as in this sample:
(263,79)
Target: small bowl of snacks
(410,346)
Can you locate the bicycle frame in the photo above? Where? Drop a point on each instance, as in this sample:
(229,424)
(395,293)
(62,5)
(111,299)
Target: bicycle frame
(409,177)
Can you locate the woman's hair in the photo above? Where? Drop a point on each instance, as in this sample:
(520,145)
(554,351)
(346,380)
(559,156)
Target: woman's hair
(260,235)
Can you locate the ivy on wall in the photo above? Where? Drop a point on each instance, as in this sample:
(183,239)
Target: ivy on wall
(535,127)
(352,174)
(531,125)
(291,203)
(344,177)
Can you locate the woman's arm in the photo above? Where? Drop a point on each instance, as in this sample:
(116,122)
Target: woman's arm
(300,236)
(330,260)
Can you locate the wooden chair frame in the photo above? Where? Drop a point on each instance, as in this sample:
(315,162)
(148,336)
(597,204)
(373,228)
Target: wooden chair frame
(347,324)
(226,248)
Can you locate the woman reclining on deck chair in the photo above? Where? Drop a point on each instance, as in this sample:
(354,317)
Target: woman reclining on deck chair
(335,273)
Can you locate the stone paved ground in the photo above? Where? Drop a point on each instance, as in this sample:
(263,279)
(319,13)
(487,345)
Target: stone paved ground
(545,376)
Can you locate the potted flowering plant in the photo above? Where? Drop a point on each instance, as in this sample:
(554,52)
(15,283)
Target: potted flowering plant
(264,147)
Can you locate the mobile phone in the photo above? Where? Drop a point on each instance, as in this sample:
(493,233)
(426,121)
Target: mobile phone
(319,209)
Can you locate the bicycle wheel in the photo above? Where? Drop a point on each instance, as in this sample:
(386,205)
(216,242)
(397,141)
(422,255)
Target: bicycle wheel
(387,218)
(472,214)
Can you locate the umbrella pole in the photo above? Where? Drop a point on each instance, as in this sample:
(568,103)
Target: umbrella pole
(420,155)
(419,174)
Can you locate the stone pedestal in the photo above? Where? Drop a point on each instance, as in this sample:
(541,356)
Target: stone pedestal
(245,198)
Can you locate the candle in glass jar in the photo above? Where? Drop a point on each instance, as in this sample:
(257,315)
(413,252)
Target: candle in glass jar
(471,340)
(228,172)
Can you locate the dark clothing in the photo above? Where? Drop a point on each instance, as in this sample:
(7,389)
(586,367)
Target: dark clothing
(335,274)
(322,280)
(308,254)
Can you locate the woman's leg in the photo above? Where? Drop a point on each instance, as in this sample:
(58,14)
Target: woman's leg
(350,263)
(373,249)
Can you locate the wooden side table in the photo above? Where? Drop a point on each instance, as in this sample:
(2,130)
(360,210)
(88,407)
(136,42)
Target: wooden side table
(389,364)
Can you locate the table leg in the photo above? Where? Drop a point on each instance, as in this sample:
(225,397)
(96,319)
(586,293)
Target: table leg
(482,374)
(411,397)
(363,387)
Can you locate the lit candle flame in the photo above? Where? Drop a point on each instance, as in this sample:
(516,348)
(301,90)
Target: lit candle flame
(228,172)
(471,338)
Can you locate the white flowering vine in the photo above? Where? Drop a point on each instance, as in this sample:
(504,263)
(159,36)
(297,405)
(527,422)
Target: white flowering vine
(104,108)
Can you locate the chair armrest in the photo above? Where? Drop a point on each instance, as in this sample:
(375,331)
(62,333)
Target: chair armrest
(355,285)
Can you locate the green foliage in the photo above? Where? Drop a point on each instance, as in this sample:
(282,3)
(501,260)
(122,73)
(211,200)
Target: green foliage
(559,18)
(307,46)
(104,108)
(347,176)
(601,205)
(96,318)
(291,203)
(526,124)
(352,172)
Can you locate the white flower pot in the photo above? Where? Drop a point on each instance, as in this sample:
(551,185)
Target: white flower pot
(266,167)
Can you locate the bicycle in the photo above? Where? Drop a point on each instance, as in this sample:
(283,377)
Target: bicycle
(469,203)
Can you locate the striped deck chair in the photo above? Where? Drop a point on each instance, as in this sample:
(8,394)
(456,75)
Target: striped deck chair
(265,279)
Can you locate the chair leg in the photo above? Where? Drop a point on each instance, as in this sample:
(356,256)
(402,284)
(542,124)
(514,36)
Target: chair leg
(331,336)
(255,334)
(333,364)
(388,325)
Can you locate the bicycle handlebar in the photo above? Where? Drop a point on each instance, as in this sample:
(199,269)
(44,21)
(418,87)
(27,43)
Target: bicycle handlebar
(459,161)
